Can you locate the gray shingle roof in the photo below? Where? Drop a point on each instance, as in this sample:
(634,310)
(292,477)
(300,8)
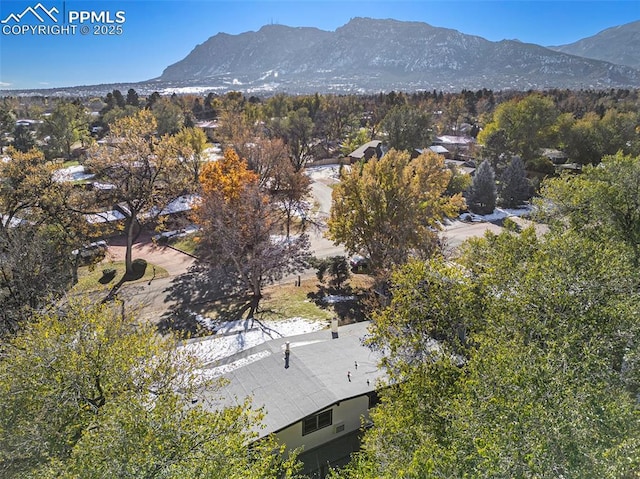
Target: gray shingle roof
(316,377)
(359,152)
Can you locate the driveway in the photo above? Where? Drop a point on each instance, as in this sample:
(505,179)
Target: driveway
(150,299)
(175,262)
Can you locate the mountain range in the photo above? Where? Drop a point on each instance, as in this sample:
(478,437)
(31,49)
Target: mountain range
(368,55)
(620,45)
(371,55)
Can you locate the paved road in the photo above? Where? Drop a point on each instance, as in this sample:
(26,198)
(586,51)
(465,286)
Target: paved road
(458,232)
(153,299)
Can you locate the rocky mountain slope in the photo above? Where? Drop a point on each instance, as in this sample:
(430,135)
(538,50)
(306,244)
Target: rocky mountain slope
(620,45)
(372,55)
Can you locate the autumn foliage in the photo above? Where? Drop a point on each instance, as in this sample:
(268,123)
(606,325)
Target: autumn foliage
(227,177)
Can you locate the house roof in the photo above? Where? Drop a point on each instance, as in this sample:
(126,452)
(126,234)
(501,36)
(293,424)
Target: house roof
(552,153)
(441,150)
(454,140)
(316,377)
(359,152)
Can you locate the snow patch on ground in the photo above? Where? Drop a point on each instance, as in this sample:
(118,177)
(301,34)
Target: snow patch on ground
(71,173)
(500,213)
(334,298)
(236,336)
(323,172)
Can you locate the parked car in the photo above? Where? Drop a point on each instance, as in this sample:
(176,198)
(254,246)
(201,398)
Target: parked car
(163,238)
(359,263)
(91,253)
(471,218)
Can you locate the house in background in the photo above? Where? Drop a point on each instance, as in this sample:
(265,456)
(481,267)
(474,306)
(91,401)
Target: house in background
(556,157)
(460,147)
(441,150)
(366,151)
(316,397)
(465,166)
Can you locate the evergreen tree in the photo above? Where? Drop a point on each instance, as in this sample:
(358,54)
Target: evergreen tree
(119,99)
(23,139)
(515,187)
(481,197)
(132,98)
(152,99)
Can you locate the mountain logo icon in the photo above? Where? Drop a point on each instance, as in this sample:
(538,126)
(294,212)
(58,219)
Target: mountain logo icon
(39,11)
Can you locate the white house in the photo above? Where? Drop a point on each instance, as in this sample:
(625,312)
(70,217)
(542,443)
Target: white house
(317,399)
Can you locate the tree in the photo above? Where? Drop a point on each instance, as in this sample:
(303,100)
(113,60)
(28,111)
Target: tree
(169,116)
(23,139)
(389,209)
(298,128)
(289,190)
(119,99)
(38,231)
(495,149)
(460,181)
(407,128)
(35,269)
(7,121)
(337,118)
(528,124)
(583,139)
(239,222)
(358,138)
(515,187)
(534,387)
(191,144)
(482,195)
(132,98)
(602,203)
(266,157)
(87,392)
(152,100)
(67,125)
(145,172)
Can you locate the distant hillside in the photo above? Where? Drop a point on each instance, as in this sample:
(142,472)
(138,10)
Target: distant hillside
(620,45)
(373,55)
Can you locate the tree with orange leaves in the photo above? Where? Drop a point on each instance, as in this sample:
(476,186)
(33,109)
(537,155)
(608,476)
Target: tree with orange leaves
(240,226)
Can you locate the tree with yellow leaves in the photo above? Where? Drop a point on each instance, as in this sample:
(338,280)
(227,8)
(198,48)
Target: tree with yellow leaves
(87,392)
(389,209)
(142,172)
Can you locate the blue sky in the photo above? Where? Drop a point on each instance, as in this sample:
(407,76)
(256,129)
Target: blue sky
(157,33)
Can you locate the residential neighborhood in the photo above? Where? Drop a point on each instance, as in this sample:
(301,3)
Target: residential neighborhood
(331,284)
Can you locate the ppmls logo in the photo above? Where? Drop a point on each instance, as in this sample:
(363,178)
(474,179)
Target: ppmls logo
(39,11)
(39,20)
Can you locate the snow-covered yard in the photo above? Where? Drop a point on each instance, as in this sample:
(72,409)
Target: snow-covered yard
(236,336)
(323,172)
(71,173)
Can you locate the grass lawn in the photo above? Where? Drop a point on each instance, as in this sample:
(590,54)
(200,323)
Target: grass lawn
(70,163)
(94,280)
(289,301)
(188,244)
(284,301)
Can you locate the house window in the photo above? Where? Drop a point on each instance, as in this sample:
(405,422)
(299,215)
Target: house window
(317,421)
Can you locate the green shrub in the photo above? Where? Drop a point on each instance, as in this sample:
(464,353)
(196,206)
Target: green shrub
(139,266)
(109,272)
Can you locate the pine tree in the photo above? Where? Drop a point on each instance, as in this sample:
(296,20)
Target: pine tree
(132,98)
(481,197)
(515,187)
